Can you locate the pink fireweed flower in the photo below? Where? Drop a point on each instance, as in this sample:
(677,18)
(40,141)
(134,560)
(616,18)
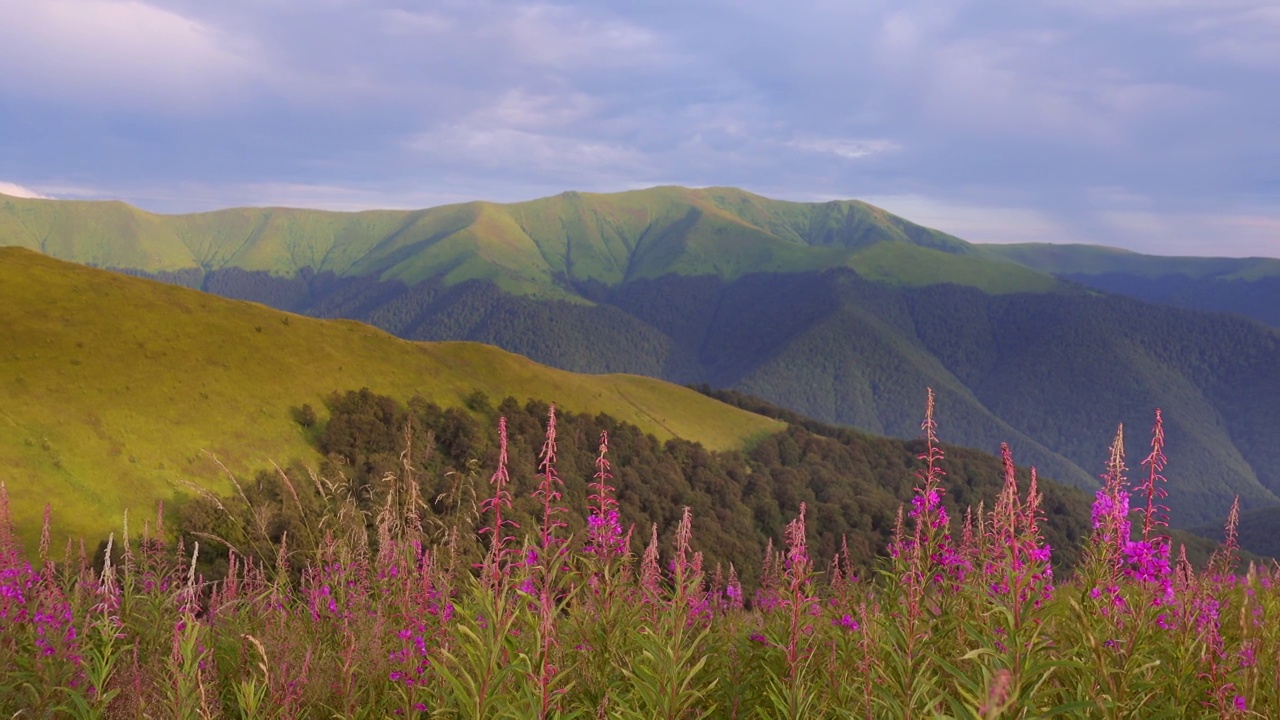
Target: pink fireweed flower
(682,565)
(17,580)
(1111,527)
(767,594)
(650,572)
(686,570)
(928,497)
(931,537)
(733,590)
(495,564)
(1110,508)
(549,487)
(1223,561)
(797,562)
(1148,561)
(899,544)
(846,622)
(930,506)
(604,533)
(1154,514)
(604,528)
(413,656)
(798,596)
(1015,557)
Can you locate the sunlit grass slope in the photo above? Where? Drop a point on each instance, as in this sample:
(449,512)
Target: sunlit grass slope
(115,388)
(529,248)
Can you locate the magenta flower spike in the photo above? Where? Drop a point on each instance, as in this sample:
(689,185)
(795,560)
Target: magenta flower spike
(684,535)
(1155,514)
(549,487)
(650,572)
(1111,502)
(604,529)
(1223,561)
(930,553)
(797,564)
(495,565)
(733,589)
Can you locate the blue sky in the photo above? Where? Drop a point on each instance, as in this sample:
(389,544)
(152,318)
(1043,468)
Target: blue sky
(1147,124)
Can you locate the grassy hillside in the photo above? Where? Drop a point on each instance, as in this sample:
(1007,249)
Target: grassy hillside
(540,248)
(115,387)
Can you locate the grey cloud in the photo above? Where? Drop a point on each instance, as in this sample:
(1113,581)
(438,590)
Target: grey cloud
(94,52)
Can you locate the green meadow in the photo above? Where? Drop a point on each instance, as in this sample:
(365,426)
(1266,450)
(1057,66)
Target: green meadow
(120,391)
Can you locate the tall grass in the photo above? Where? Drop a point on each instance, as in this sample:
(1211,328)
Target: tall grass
(964,618)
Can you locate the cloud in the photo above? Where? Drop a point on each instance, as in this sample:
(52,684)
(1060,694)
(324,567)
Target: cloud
(490,146)
(976,222)
(1239,32)
(188,197)
(846,148)
(1232,234)
(116,52)
(1250,37)
(563,37)
(1121,219)
(12,190)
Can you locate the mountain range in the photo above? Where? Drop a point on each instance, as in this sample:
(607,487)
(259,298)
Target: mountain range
(840,311)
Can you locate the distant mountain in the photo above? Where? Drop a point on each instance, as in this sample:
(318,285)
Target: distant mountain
(1245,286)
(114,386)
(837,310)
(543,248)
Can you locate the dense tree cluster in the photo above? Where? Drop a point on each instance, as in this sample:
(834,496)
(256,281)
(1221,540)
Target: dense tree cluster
(852,483)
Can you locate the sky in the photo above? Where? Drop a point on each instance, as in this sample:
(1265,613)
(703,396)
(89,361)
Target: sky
(1145,124)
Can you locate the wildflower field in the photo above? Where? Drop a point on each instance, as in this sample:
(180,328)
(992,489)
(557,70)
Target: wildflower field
(391,617)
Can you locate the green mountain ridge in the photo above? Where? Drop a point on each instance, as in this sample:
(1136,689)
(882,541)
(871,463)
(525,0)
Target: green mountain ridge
(540,248)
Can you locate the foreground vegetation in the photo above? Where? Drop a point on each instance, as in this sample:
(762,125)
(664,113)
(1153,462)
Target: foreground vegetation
(962,618)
